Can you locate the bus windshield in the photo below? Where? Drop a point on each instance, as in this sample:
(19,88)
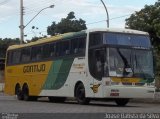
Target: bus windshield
(120,55)
(133,40)
(130,63)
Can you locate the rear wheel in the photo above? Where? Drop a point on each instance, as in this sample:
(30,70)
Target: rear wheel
(122,102)
(57,99)
(26,95)
(19,93)
(80,95)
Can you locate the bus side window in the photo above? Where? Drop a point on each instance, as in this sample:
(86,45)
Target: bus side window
(78,45)
(36,53)
(58,47)
(82,44)
(95,39)
(52,50)
(46,51)
(16,56)
(74,46)
(65,47)
(9,57)
(25,57)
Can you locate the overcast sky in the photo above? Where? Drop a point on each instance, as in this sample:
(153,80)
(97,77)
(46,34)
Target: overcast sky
(91,11)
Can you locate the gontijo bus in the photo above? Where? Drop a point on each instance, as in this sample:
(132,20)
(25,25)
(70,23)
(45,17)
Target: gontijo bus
(114,64)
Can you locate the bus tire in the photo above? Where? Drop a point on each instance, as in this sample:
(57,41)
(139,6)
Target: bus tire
(122,101)
(18,92)
(57,99)
(80,95)
(26,96)
(26,93)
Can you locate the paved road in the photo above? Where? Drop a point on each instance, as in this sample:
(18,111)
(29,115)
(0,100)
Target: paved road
(9,104)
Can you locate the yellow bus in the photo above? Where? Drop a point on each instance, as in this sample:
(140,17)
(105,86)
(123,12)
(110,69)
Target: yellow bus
(114,64)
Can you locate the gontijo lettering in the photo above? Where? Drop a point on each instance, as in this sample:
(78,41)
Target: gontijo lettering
(34,68)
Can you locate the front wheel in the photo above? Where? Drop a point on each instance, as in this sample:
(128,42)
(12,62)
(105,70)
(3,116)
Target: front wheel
(122,102)
(80,95)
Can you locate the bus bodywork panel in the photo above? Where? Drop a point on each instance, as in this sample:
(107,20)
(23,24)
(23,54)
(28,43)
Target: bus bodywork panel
(54,78)
(38,76)
(33,74)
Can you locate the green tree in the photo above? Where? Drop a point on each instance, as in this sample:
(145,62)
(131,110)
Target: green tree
(147,19)
(68,24)
(5,43)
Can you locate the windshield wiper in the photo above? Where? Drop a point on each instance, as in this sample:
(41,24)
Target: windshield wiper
(126,64)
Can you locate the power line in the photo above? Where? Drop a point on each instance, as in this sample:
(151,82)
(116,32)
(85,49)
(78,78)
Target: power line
(88,23)
(109,19)
(34,10)
(120,16)
(36,2)
(39,5)
(4,2)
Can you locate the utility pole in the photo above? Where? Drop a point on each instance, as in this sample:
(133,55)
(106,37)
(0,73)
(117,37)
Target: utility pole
(22,26)
(106,13)
(21,22)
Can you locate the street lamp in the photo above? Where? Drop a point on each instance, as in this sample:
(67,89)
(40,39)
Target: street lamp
(106,13)
(52,6)
(21,20)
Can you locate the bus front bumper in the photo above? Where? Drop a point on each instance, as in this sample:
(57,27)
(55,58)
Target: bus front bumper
(129,92)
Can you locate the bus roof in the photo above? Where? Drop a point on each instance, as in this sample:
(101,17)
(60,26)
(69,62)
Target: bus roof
(119,30)
(47,40)
(74,34)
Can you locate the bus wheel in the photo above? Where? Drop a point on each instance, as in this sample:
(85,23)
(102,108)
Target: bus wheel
(80,95)
(26,94)
(122,101)
(19,93)
(57,99)
(25,91)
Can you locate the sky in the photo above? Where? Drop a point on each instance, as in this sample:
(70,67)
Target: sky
(92,11)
